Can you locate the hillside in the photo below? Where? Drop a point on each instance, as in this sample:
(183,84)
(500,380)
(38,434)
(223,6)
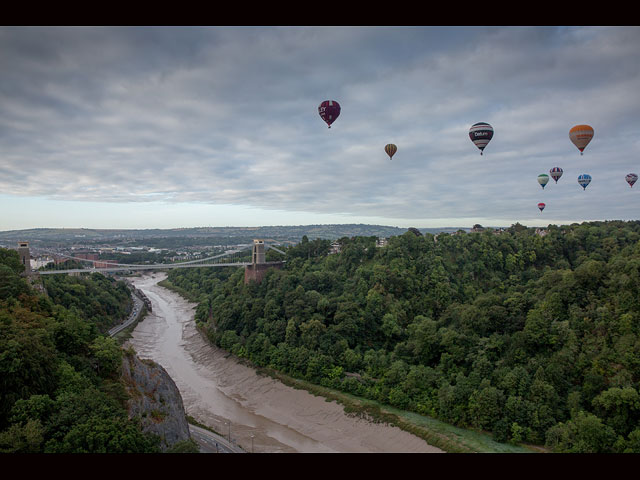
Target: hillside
(197,235)
(63,385)
(531,335)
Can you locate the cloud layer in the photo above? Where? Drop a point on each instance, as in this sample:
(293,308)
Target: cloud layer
(228,115)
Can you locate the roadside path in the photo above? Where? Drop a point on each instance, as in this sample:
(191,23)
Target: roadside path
(211,442)
(133,316)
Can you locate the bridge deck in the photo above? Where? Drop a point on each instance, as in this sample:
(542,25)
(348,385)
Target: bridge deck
(160,266)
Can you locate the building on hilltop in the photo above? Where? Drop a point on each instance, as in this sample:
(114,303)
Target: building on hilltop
(335,247)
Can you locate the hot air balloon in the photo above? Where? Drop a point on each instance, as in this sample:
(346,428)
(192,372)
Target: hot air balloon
(541,206)
(391,149)
(556,173)
(631,179)
(329,110)
(543,179)
(584,180)
(581,135)
(480,134)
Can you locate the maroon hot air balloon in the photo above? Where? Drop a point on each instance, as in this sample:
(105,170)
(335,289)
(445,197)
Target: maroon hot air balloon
(329,110)
(541,206)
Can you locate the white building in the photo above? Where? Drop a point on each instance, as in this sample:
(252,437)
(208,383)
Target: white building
(40,262)
(335,248)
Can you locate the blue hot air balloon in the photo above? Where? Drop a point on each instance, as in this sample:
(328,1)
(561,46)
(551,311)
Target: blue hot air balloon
(584,180)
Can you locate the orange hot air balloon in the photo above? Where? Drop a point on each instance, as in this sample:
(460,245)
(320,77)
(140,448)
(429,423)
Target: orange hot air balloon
(391,150)
(581,135)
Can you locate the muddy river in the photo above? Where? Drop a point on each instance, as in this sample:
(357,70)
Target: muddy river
(257,411)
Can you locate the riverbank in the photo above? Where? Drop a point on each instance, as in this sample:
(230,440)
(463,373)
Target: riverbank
(447,438)
(251,408)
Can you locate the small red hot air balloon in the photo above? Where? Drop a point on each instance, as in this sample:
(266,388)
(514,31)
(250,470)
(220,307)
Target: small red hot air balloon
(541,206)
(329,110)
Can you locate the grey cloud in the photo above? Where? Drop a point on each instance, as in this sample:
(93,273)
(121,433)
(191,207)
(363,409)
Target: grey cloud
(229,115)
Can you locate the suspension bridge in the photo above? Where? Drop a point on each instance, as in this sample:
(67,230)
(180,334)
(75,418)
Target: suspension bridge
(254,269)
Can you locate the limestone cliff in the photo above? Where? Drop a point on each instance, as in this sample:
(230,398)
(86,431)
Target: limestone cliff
(155,400)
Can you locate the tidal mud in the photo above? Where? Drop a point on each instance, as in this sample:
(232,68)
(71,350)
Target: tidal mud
(257,412)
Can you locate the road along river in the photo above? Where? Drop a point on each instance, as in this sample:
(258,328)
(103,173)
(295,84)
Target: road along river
(258,412)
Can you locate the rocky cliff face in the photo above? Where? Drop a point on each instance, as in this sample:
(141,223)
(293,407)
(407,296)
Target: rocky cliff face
(155,400)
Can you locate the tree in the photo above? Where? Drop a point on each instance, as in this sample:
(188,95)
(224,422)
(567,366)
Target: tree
(28,358)
(185,446)
(619,407)
(485,407)
(107,355)
(11,259)
(22,437)
(423,339)
(105,435)
(583,434)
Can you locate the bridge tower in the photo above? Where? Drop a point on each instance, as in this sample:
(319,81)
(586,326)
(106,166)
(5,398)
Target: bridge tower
(25,257)
(255,272)
(258,252)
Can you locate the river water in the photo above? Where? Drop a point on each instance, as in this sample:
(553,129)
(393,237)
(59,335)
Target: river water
(258,412)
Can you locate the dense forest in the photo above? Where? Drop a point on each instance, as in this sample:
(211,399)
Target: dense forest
(532,335)
(96,297)
(60,388)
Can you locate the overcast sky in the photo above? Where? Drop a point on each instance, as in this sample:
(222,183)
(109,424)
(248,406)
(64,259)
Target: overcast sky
(145,127)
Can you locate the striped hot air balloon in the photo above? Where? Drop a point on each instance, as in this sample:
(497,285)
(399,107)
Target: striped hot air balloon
(391,150)
(329,110)
(584,180)
(631,179)
(480,134)
(543,179)
(541,206)
(556,173)
(581,135)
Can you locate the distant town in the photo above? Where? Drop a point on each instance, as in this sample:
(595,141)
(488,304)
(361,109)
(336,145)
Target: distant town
(50,247)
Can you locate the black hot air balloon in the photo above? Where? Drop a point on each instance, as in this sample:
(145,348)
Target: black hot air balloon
(480,134)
